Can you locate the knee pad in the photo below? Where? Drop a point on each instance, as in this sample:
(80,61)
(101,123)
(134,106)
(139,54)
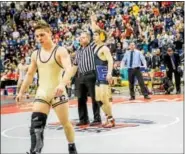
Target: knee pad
(38,122)
(99,103)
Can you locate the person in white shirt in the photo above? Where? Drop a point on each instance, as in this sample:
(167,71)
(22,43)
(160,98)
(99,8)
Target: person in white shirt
(133,60)
(21,71)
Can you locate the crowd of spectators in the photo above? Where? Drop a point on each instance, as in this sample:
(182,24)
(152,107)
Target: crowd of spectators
(153,26)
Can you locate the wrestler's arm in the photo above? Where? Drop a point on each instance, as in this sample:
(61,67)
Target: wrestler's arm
(94,26)
(66,63)
(74,70)
(107,54)
(30,74)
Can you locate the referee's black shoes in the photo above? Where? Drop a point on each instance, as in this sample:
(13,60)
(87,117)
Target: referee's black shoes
(147,97)
(81,123)
(95,123)
(133,97)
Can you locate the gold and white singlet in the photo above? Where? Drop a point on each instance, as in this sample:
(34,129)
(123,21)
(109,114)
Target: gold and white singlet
(49,76)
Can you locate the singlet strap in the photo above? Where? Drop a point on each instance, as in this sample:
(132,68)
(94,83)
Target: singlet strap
(98,49)
(50,55)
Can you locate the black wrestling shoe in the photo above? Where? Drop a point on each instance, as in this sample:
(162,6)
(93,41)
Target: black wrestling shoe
(72,148)
(132,98)
(32,153)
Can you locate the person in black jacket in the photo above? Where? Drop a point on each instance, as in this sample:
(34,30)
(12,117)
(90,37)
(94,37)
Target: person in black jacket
(116,75)
(179,44)
(172,63)
(1,66)
(148,60)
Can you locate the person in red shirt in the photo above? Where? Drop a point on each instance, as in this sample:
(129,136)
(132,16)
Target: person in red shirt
(10,79)
(11,75)
(126,19)
(116,33)
(156,11)
(129,31)
(112,5)
(101,24)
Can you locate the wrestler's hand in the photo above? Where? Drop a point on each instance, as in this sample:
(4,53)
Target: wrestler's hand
(109,78)
(59,90)
(18,99)
(69,84)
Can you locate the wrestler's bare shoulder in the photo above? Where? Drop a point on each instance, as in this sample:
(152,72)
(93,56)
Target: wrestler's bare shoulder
(34,54)
(104,49)
(62,50)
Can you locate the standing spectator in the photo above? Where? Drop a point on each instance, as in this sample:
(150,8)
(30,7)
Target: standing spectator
(153,43)
(1,66)
(178,44)
(21,71)
(156,60)
(148,60)
(172,62)
(119,52)
(132,60)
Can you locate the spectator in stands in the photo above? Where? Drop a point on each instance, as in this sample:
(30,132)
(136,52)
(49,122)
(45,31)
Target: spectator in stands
(179,44)
(148,58)
(160,25)
(119,52)
(1,66)
(132,60)
(116,75)
(156,60)
(172,62)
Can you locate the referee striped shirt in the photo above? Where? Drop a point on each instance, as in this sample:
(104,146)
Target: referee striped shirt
(85,58)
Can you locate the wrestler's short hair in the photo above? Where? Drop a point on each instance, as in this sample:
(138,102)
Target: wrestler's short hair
(41,24)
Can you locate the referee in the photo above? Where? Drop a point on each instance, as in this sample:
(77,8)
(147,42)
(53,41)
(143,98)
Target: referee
(84,62)
(133,60)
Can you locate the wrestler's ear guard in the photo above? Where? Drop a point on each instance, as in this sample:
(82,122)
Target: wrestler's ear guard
(103,36)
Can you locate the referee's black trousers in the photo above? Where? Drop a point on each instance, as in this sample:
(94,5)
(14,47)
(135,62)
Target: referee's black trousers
(86,85)
(132,74)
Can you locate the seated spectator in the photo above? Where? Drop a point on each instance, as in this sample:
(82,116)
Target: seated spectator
(8,79)
(156,60)
(119,52)
(116,75)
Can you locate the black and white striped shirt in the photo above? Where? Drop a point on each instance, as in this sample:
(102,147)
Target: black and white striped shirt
(85,58)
